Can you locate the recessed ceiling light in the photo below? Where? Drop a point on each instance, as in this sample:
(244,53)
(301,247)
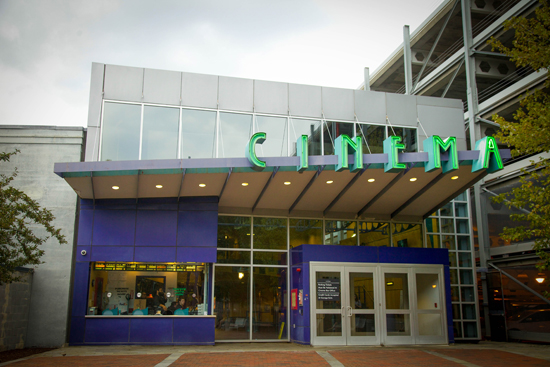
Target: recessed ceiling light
(158,186)
(287,183)
(371,180)
(245,184)
(413,179)
(454,178)
(115,187)
(202,185)
(329,182)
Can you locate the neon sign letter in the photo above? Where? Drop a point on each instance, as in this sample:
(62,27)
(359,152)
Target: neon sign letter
(489,156)
(392,146)
(341,147)
(434,145)
(250,152)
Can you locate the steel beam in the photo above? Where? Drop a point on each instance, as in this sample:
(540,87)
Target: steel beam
(407,60)
(418,194)
(382,192)
(275,170)
(344,190)
(452,79)
(521,284)
(319,170)
(225,183)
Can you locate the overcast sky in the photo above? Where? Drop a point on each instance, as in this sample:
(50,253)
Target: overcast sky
(47,47)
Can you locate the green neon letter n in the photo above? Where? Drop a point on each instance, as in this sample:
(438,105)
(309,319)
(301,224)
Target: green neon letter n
(434,145)
(250,152)
(341,147)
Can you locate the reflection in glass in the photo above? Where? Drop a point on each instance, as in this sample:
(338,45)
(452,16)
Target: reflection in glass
(361,291)
(468,312)
(462,226)
(160,133)
(408,137)
(463,243)
(449,242)
(198,134)
(329,325)
(466,277)
(447,225)
(311,128)
(235,132)
(429,324)
(456,312)
(305,232)
(232,302)
(454,294)
(454,276)
(233,257)
(446,210)
(372,137)
(233,232)
(470,329)
(269,309)
(464,260)
(461,209)
(457,329)
(270,233)
(427,292)
(397,291)
(433,241)
(467,294)
(121,130)
(452,259)
(362,325)
(331,131)
(398,325)
(276,143)
(407,235)
(374,234)
(339,232)
(270,258)
(462,196)
(432,225)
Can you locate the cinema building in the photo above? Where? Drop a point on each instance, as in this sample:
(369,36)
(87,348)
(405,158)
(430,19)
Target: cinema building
(277,211)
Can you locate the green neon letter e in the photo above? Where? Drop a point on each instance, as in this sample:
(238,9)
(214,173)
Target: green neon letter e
(392,146)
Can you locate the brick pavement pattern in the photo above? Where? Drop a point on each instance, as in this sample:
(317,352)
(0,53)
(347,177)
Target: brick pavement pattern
(144,360)
(266,359)
(494,358)
(390,358)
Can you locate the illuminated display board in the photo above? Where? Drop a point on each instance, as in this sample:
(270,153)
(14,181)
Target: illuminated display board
(111,266)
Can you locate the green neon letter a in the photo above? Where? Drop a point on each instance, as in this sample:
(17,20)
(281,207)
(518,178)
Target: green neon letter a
(250,152)
(392,146)
(489,156)
(434,145)
(341,147)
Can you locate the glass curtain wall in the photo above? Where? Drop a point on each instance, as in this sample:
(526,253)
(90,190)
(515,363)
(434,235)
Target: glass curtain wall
(449,227)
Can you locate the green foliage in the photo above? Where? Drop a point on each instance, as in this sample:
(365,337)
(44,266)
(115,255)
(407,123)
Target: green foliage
(530,132)
(19,245)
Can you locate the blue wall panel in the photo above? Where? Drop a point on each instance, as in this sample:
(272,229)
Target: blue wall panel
(85,223)
(80,288)
(114,227)
(107,330)
(156,228)
(78,327)
(155,254)
(194,330)
(151,330)
(198,228)
(448,301)
(196,254)
(112,253)
(399,255)
(80,257)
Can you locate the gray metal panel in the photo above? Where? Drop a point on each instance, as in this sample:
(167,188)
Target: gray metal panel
(161,86)
(236,94)
(123,83)
(304,100)
(401,109)
(370,106)
(438,102)
(442,121)
(270,97)
(199,90)
(92,144)
(96,96)
(338,103)
(461,144)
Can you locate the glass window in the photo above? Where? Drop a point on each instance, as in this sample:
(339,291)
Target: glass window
(464,259)
(270,258)
(374,234)
(198,134)
(312,129)
(232,302)
(235,132)
(147,289)
(433,241)
(305,232)
(372,136)
(449,242)
(121,130)
(331,131)
(463,243)
(407,235)
(269,308)
(270,233)
(432,225)
(397,291)
(338,232)
(461,209)
(233,257)
(447,225)
(276,143)
(446,210)
(408,138)
(233,232)
(160,133)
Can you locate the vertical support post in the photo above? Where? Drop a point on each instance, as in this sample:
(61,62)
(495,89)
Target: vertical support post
(407,59)
(367,79)
(475,134)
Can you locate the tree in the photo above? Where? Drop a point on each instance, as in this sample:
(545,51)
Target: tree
(19,244)
(530,132)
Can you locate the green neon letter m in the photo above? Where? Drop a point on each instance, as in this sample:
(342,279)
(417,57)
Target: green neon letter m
(342,144)
(434,145)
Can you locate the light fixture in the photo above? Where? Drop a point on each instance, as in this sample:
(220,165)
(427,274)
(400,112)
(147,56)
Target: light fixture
(413,179)
(389,283)
(353,235)
(158,186)
(371,180)
(138,294)
(202,185)
(115,187)
(245,184)
(434,286)
(539,280)
(241,275)
(287,183)
(168,294)
(329,182)
(454,178)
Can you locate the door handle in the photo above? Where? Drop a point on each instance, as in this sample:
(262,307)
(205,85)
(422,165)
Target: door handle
(349,311)
(342,311)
